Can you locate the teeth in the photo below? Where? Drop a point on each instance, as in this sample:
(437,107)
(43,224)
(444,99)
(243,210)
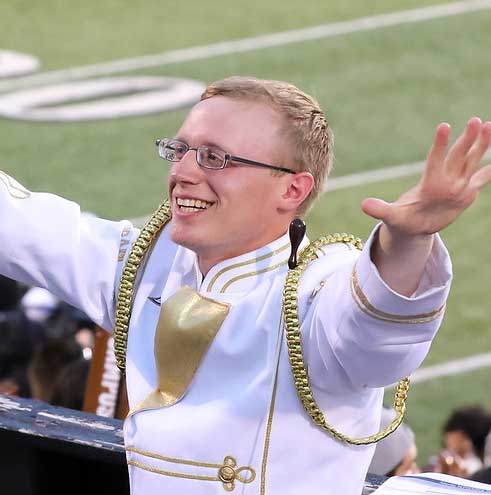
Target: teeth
(187,204)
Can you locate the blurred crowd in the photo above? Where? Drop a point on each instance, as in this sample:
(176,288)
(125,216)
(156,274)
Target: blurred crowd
(465,452)
(45,346)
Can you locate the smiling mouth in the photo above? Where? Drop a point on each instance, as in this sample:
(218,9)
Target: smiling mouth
(190,205)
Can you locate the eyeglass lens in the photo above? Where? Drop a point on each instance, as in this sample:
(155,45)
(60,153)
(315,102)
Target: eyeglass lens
(207,157)
(210,158)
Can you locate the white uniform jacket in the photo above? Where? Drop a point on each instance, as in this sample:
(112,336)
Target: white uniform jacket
(241,410)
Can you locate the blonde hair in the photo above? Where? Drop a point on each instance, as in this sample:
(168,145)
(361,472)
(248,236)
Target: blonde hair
(305,125)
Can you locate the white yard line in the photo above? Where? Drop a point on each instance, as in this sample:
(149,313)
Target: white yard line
(451,368)
(251,44)
(377,175)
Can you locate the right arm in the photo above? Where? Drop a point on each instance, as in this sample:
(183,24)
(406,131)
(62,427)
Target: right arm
(46,241)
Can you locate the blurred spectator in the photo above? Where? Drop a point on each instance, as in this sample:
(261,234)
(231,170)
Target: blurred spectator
(395,455)
(17,338)
(38,304)
(10,294)
(464,436)
(69,386)
(48,362)
(66,320)
(31,364)
(484,475)
(487,450)
(16,347)
(85,338)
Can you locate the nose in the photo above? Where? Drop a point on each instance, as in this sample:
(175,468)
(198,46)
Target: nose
(187,169)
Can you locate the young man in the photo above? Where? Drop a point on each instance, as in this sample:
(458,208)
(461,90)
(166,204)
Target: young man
(200,322)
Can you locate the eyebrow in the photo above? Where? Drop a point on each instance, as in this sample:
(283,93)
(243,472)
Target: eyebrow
(211,144)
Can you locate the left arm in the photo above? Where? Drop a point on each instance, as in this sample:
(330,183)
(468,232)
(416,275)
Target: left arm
(450,183)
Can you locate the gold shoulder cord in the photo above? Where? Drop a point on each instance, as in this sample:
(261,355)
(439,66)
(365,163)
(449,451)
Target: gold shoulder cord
(290,309)
(293,338)
(124,301)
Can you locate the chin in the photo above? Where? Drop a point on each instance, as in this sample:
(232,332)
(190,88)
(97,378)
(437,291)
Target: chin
(182,238)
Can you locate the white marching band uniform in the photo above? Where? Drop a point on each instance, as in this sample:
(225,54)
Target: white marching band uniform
(241,410)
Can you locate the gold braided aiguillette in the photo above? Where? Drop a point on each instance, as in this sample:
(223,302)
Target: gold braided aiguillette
(124,301)
(297,363)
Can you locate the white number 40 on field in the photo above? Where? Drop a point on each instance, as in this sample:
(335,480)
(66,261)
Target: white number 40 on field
(91,99)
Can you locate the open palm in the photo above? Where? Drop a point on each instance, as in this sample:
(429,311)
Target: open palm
(450,183)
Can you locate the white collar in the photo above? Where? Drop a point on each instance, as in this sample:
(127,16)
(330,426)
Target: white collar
(244,272)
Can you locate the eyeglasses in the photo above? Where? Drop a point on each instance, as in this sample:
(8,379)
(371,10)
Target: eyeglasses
(206,156)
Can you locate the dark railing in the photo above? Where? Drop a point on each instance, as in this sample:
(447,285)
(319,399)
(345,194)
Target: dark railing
(47,450)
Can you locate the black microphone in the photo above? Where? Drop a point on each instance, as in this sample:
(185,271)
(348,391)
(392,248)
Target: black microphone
(297,233)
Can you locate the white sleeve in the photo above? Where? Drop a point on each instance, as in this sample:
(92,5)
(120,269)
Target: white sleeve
(45,241)
(359,329)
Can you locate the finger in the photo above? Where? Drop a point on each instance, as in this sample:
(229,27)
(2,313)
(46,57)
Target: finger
(481,177)
(377,208)
(457,154)
(438,151)
(478,150)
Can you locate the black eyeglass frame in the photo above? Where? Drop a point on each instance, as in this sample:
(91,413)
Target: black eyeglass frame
(160,143)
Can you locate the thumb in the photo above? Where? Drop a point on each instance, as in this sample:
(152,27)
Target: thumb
(376,208)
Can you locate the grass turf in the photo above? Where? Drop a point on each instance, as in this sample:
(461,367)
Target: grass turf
(384,92)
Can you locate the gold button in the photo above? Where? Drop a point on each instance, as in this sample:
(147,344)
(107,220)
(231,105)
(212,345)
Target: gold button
(226,474)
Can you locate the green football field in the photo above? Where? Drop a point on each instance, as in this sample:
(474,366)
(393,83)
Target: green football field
(384,89)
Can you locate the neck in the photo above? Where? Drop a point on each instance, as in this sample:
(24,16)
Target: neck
(206,261)
(206,264)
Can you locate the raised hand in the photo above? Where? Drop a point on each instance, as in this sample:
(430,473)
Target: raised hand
(450,183)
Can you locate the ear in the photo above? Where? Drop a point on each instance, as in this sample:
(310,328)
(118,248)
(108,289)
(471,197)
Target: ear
(298,187)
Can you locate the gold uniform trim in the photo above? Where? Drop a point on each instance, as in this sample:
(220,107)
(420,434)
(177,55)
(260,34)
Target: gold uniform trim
(175,460)
(295,351)
(172,473)
(227,472)
(16,190)
(269,425)
(364,305)
(251,274)
(244,263)
(127,284)
(188,324)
